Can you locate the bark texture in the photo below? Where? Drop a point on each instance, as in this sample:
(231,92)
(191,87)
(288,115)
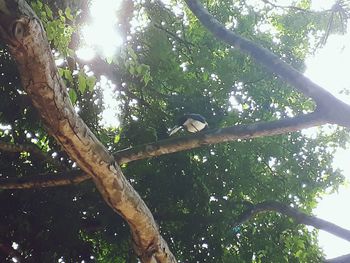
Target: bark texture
(23,33)
(25,37)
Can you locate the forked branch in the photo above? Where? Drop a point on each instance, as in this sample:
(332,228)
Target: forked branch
(334,110)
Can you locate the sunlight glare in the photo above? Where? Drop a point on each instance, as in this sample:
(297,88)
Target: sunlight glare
(234,104)
(15,245)
(330,66)
(101,36)
(318,5)
(101,33)
(109,116)
(85,53)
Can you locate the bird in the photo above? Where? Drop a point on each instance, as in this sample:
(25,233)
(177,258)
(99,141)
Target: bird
(191,122)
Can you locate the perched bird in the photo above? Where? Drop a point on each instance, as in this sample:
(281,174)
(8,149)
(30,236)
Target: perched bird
(191,122)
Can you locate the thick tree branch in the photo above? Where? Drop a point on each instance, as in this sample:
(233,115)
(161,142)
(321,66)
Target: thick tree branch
(215,136)
(22,32)
(243,131)
(330,105)
(30,148)
(178,144)
(341,259)
(47,180)
(299,217)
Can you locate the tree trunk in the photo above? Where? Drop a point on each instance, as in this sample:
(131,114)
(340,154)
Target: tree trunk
(25,37)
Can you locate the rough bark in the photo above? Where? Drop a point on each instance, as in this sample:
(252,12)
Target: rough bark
(25,37)
(21,30)
(298,216)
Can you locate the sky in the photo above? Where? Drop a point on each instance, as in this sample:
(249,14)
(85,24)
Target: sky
(329,68)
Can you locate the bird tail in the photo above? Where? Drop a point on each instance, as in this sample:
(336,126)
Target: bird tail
(174,130)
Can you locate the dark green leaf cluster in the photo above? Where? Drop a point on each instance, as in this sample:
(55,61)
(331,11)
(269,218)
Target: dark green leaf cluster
(171,67)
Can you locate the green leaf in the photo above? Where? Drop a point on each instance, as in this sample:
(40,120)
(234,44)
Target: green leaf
(147,77)
(132,70)
(109,60)
(90,82)
(39,4)
(116,138)
(68,13)
(72,95)
(48,12)
(139,69)
(61,71)
(132,53)
(81,82)
(68,75)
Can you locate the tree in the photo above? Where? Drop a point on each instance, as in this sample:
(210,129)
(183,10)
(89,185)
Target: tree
(197,197)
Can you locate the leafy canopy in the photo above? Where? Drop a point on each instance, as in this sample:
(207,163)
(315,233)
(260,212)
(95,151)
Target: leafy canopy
(164,69)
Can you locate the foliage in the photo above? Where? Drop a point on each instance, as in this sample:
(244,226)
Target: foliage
(57,30)
(170,67)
